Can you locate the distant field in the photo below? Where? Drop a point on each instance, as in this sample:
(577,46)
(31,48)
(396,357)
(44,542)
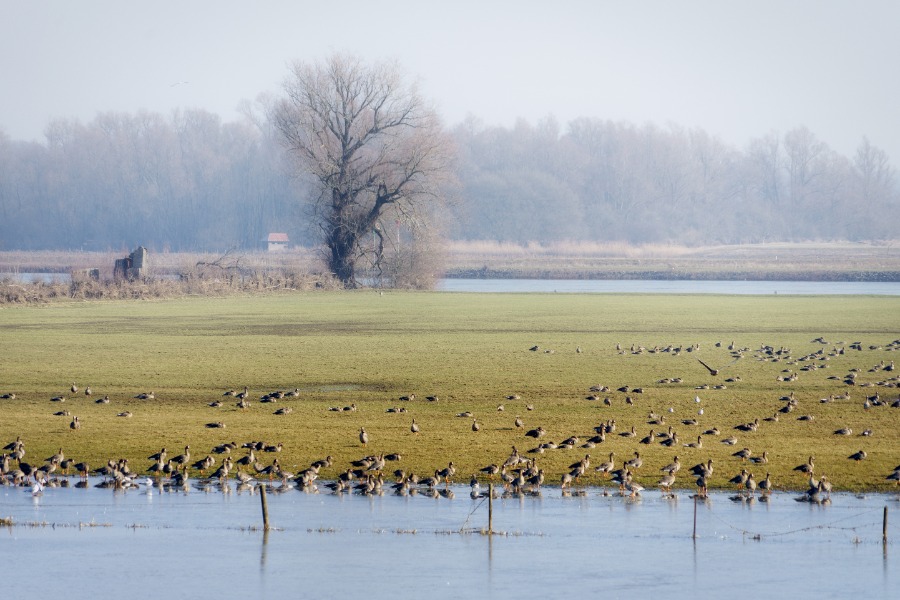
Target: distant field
(471,351)
(776,261)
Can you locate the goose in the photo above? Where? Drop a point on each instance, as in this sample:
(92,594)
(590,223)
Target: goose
(363,436)
(161,455)
(183,459)
(65,464)
(750,484)
(895,477)
(808,467)
(82,468)
(761,460)
(740,479)
(670,441)
(629,434)
(632,486)
(75,424)
(146,396)
(582,464)
(667,482)
(513,459)
(743,454)
(243,478)
(519,423)
(414,428)
(843,431)
(765,486)
(56,458)
(697,444)
(536,433)
(490,470)
(536,480)
(606,467)
(636,462)
(431,482)
(475,426)
(157,468)
(103,400)
(858,456)
(703,469)
(203,464)
(74,388)
(447,473)
(672,467)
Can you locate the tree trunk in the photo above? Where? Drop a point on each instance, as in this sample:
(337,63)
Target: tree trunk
(342,259)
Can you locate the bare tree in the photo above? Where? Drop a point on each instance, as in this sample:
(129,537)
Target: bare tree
(371,146)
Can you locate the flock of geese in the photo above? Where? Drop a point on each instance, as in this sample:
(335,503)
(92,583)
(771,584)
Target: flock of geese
(517,474)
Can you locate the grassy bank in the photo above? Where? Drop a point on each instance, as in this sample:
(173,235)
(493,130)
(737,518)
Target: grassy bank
(471,351)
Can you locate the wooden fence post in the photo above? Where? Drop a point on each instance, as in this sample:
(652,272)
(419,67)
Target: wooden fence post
(490,509)
(265,506)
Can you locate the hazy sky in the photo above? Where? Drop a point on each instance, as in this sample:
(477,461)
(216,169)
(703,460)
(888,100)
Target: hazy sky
(738,69)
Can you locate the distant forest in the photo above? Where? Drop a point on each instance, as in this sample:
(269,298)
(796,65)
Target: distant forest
(191,182)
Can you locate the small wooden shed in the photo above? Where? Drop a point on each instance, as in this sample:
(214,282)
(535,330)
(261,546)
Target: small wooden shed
(277,242)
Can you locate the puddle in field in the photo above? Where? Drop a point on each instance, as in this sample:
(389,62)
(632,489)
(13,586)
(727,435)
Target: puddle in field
(203,543)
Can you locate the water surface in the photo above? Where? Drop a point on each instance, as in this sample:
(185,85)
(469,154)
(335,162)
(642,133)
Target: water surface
(81,543)
(644,286)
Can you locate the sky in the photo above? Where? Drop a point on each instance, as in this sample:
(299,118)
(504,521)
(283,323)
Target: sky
(737,69)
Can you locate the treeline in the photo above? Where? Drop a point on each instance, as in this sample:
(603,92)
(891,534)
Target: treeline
(183,182)
(190,182)
(602,180)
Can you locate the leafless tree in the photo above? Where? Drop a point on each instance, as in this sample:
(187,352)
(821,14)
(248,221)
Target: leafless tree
(371,146)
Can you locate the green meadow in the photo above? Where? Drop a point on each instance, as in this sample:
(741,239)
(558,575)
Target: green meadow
(472,352)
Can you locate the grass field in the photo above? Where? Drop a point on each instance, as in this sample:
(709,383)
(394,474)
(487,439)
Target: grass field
(471,351)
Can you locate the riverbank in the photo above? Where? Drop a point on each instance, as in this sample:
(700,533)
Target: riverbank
(868,262)
(837,261)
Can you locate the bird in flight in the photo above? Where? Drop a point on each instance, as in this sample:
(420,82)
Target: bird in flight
(712,371)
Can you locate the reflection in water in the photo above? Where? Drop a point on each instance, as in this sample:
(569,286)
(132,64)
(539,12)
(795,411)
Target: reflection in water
(263,552)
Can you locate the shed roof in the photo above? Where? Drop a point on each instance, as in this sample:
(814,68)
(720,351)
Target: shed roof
(278,237)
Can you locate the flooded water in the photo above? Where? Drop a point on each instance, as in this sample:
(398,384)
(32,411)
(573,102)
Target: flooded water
(81,543)
(643,286)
